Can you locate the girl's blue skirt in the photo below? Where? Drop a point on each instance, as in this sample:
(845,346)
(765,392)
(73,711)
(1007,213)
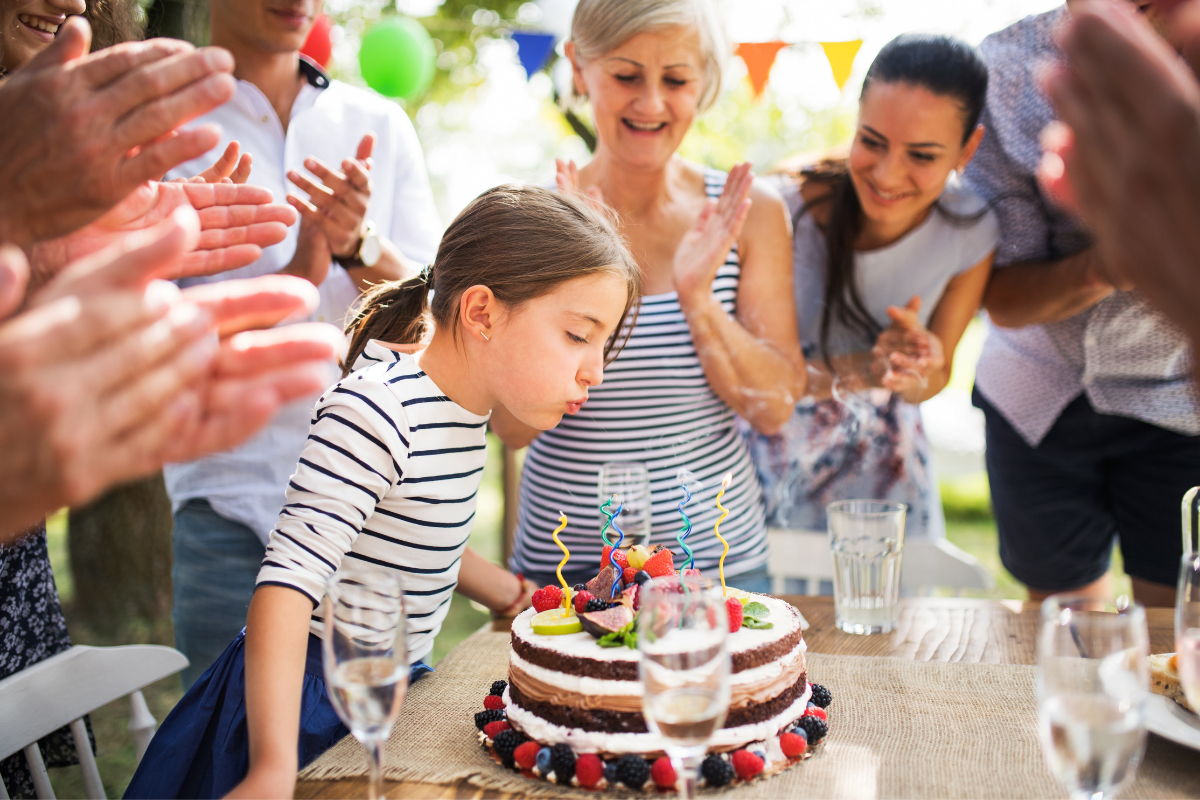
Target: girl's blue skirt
(202,748)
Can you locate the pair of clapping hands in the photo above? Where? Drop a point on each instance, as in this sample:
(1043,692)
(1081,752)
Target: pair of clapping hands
(107,370)
(906,353)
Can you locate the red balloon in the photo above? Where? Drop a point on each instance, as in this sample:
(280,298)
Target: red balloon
(318,46)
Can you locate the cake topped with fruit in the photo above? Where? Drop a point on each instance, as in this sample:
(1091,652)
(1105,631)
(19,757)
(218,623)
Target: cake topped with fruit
(571,708)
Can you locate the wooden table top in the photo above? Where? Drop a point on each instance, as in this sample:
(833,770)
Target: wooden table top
(930,629)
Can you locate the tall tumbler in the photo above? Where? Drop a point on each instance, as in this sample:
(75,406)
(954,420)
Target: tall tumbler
(628,484)
(867,539)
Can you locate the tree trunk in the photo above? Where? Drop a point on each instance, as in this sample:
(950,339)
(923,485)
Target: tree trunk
(120,551)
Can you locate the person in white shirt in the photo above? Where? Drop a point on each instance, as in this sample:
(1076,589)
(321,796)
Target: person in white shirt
(350,163)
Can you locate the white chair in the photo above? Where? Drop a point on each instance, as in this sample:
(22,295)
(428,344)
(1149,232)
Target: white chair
(927,564)
(62,689)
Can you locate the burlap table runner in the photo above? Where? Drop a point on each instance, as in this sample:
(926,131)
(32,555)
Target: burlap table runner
(900,729)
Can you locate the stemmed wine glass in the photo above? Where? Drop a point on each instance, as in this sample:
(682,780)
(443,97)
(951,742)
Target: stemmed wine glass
(1093,686)
(1187,628)
(684,669)
(366,658)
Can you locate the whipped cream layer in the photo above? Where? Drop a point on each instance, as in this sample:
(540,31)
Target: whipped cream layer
(582,741)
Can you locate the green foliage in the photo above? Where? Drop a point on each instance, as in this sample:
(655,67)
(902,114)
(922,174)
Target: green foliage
(626,636)
(754,615)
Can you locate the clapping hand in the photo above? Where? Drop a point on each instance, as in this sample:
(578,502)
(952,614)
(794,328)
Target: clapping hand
(337,207)
(566,177)
(907,353)
(703,249)
(232,167)
(236,222)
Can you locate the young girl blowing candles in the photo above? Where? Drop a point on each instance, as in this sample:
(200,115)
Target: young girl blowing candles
(524,301)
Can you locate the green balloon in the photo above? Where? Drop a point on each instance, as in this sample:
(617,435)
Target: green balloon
(397,57)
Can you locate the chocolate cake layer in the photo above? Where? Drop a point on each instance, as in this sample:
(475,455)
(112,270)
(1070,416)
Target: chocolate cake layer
(628,670)
(608,721)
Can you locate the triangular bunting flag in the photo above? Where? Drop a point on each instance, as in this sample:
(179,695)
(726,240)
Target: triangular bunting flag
(533,48)
(841,59)
(759,58)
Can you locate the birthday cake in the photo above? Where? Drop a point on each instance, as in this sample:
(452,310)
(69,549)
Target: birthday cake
(570,710)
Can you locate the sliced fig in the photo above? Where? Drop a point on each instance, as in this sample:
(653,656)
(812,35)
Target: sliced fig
(601,585)
(599,623)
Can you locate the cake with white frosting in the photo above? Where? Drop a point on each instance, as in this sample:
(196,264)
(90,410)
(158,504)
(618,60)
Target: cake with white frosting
(569,689)
(570,710)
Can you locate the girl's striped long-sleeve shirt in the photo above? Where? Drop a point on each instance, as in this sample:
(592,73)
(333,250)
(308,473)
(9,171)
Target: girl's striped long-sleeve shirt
(388,478)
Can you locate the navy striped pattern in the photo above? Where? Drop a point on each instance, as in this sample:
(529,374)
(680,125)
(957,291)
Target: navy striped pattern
(388,478)
(656,406)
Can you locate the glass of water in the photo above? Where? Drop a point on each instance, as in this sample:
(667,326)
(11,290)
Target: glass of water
(1093,685)
(366,659)
(1187,628)
(628,483)
(685,667)
(867,539)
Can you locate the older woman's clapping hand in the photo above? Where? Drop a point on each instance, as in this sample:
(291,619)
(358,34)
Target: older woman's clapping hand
(702,250)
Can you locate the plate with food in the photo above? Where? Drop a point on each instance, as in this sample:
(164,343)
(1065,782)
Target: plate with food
(1168,713)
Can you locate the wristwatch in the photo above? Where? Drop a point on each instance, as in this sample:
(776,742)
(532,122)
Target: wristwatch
(368,253)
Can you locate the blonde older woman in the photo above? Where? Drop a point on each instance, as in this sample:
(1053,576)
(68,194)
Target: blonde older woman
(715,336)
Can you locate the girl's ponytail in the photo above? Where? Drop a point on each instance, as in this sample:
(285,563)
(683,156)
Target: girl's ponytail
(393,311)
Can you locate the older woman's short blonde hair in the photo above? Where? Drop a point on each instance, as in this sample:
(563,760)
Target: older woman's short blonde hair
(601,26)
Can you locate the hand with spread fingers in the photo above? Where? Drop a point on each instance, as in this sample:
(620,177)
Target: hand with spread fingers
(702,250)
(907,353)
(1127,158)
(232,167)
(337,205)
(116,116)
(110,371)
(236,223)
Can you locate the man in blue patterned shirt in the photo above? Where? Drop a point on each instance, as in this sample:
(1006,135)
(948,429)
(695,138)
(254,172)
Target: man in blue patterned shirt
(1092,418)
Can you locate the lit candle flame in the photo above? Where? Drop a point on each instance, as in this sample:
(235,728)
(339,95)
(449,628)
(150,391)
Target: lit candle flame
(717,528)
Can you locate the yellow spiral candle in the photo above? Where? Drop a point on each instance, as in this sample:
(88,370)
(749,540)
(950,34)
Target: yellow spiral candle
(562,523)
(717,529)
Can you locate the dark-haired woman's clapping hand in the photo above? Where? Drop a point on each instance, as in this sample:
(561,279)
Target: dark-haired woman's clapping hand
(909,357)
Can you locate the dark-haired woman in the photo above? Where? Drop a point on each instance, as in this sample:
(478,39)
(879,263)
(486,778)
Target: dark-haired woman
(892,255)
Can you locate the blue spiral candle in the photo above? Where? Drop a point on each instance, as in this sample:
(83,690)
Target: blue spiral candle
(686,530)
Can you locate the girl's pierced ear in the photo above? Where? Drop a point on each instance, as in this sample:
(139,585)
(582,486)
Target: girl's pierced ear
(485,336)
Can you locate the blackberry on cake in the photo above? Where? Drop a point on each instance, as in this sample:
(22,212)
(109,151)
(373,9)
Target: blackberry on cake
(506,743)
(488,715)
(821,697)
(716,771)
(562,761)
(814,727)
(498,688)
(633,771)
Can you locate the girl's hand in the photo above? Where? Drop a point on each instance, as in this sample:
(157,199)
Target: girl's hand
(907,353)
(566,176)
(703,249)
(524,599)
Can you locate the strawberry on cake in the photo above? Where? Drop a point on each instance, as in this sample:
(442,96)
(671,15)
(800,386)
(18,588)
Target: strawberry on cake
(571,709)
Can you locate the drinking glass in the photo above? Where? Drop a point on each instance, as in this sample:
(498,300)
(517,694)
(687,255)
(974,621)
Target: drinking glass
(629,481)
(684,669)
(366,659)
(1093,685)
(867,539)
(1187,628)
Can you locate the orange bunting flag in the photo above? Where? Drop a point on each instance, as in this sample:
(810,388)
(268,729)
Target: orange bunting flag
(759,58)
(841,59)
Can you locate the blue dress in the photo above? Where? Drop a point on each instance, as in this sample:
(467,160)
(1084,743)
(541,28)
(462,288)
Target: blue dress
(202,748)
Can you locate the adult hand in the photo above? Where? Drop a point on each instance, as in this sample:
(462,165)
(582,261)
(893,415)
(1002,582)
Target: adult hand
(1131,156)
(338,205)
(111,373)
(566,177)
(229,168)
(236,222)
(95,127)
(703,249)
(907,353)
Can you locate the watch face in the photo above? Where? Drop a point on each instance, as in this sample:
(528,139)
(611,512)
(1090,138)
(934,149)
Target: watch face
(371,250)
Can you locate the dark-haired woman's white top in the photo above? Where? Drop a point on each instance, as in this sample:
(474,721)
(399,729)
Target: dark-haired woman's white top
(870,445)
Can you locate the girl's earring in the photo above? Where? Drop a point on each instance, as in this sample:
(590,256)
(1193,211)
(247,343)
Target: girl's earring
(485,336)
